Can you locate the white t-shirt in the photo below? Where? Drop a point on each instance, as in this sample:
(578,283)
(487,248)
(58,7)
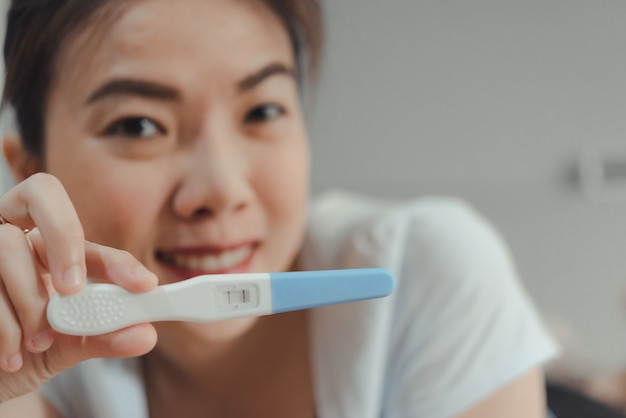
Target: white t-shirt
(457,327)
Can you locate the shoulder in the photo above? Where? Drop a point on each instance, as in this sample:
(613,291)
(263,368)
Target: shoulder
(430,233)
(453,270)
(459,324)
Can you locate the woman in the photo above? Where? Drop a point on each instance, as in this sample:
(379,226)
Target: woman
(160,140)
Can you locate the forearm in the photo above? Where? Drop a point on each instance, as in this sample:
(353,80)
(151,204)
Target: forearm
(522,398)
(31,405)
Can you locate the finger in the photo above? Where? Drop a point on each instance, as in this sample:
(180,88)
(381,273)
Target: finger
(106,264)
(10,335)
(129,342)
(41,201)
(119,267)
(10,329)
(24,288)
(36,242)
(69,350)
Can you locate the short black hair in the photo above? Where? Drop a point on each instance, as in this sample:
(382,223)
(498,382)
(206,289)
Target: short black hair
(37,29)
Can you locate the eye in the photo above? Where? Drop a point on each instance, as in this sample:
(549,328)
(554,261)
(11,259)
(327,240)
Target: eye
(135,127)
(264,112)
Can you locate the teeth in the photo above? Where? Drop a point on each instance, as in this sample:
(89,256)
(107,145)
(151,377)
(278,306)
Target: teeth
(213,262)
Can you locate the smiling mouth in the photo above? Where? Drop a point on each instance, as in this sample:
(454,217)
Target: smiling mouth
(216,262)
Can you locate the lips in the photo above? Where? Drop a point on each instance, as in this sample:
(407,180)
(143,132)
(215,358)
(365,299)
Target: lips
(212,262)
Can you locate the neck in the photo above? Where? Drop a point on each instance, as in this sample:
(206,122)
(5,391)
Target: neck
(189,351)
(260,365)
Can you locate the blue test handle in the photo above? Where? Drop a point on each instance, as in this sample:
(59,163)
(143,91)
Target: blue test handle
(310,289)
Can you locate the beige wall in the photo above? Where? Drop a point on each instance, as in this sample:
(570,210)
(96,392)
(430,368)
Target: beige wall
(492,100)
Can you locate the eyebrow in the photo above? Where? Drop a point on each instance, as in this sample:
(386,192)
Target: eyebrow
(151,90)
(126,87)
(264,73)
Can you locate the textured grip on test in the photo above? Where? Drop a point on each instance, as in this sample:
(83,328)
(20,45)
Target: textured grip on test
(98,309)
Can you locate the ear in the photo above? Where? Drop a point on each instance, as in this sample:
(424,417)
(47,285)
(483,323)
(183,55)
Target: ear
(22,163)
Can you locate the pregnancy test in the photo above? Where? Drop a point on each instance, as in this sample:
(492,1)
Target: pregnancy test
(102,308)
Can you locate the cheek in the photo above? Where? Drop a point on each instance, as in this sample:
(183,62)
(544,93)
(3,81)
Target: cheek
(118,213)
(117,203)
(283,188)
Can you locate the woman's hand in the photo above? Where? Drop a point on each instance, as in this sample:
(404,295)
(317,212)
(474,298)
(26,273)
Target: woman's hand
(54,258)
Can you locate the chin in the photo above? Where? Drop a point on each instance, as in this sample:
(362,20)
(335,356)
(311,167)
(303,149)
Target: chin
(205,333)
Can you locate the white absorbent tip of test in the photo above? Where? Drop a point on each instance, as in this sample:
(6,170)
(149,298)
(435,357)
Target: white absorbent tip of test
(103,308)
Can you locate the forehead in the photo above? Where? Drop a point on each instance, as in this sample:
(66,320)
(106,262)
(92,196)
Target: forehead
(175,39)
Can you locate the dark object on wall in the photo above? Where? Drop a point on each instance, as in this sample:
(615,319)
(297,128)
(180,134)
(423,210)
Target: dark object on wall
(565,402)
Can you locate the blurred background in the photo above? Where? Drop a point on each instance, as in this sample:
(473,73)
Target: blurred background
(519,107)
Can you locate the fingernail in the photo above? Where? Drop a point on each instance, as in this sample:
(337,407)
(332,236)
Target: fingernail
(14,363)
(42,341)
(73,277)
(143,273)
(141,270)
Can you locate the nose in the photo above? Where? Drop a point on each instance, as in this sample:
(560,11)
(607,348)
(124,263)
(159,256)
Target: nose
(215,181)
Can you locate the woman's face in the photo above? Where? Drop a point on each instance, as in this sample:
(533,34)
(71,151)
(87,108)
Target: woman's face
(177,132)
